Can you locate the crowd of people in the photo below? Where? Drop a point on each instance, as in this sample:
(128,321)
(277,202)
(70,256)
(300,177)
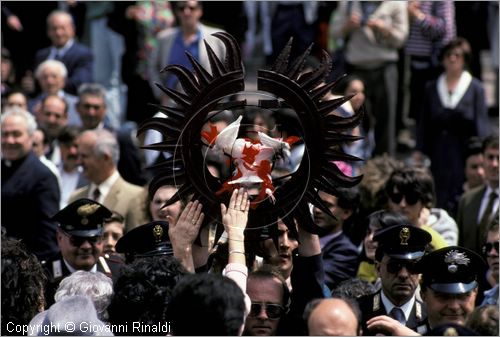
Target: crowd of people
(411,250)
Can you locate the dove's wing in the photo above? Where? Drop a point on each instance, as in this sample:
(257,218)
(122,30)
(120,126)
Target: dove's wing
(227,137)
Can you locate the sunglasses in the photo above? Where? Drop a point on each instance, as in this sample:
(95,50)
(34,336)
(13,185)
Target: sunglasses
(394,266)
(273,311)
(487,247)
(410,198)
(77,241)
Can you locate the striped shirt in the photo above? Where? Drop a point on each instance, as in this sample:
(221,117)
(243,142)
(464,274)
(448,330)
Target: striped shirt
(434,31)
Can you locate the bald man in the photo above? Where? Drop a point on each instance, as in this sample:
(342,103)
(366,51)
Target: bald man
(333,317)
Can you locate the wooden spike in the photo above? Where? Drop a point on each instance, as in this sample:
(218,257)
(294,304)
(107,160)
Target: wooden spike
(186,79)
(318,75)
(233,52)
(314,198)
(326,107)
(216,65)
(298,65)
(177,96)
(202,74)
(281,64)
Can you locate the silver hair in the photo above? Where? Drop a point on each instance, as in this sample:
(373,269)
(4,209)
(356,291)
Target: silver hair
(54,64)
(92,89)
(28,117)
(106,144)
(96,286)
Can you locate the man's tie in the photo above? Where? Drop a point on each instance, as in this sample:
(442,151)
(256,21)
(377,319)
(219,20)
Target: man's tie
(96,194)
(398,315)
(486,218)
(58,56)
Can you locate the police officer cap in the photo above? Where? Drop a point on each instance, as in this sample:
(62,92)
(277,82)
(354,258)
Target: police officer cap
(452,270)
(146,240)
(451,329)
(83,217)
(405,242)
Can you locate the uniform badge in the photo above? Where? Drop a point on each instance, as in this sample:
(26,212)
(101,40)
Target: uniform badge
(158,233)
(454,258)
(404,235)
(86,210)
(418,311)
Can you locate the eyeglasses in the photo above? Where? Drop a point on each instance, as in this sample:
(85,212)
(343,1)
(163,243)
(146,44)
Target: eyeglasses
(410,198)
(273,311)
(394,266)
(77,241)
(487,247)
(181,8)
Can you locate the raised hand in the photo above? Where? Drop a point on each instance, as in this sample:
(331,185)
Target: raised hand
(235,216)
(184,232)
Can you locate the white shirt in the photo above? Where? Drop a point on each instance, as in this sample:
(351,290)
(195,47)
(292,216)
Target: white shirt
(451,100)
(405,307)
(104,187)
(68,183)
(61,51)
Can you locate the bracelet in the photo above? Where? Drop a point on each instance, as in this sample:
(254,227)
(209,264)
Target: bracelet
(234,251)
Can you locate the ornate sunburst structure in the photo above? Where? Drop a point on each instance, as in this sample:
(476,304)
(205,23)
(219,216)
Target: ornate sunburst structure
(204,92)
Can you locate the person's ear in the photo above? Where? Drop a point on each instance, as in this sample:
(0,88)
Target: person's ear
(377,267)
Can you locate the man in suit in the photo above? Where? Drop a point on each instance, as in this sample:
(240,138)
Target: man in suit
(478,206)
(51,76)
(79,237)
(340,256)
(395,308)
(98,152)
(174,42)
(450,284)
(76,57)
(30,191)
(92,109)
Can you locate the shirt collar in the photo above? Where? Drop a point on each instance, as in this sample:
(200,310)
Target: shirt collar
(62,51)
(327,238)
(105,186)
(72,270)
(405,307)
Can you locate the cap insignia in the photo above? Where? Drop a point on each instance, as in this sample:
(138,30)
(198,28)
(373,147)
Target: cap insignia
(453,257)
(404,235)
(158,233)
(85,210)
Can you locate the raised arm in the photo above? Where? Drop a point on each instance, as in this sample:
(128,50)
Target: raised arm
(235,218)
(183,233)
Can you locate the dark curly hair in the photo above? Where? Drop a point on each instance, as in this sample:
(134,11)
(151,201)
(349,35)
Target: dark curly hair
(418,181)
(23,282)
(143,291)
(206,304)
